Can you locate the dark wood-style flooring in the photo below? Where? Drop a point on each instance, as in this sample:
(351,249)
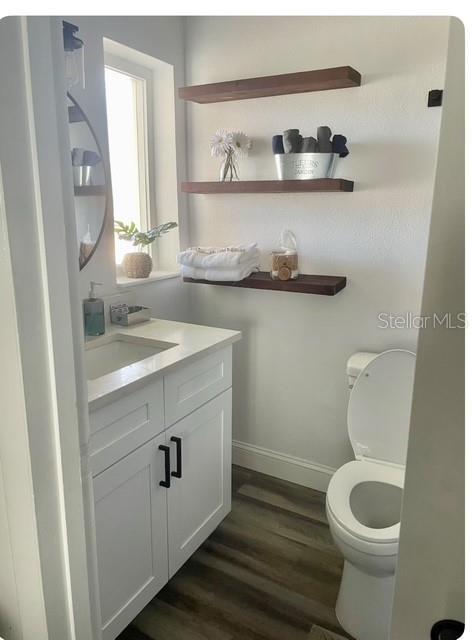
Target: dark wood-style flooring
(270,571)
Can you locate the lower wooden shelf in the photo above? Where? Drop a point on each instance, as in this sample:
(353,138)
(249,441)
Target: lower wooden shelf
(319,285)
(320,185)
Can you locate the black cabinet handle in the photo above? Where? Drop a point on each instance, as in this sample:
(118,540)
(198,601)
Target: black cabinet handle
(165,483)
(178,442)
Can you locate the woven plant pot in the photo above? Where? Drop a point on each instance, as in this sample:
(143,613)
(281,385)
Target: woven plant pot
(137,264)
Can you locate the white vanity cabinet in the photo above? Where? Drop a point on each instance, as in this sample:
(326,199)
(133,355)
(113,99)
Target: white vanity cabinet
(157,501)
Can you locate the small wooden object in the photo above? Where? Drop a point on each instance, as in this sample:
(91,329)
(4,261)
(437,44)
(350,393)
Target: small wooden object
(284,265)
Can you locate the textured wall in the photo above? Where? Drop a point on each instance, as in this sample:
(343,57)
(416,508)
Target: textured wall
(290,388)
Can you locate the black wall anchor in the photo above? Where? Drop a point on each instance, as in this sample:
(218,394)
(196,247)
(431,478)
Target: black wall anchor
(435,97)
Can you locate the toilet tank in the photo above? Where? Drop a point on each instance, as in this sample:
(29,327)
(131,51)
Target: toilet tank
(356,363)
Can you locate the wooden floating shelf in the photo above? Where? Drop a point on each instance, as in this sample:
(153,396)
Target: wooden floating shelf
(90,190)
(270,186)
(75,114)
(301,82)
(320,285)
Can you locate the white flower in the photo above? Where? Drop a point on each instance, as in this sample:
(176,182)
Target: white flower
(220,143)
(239,142)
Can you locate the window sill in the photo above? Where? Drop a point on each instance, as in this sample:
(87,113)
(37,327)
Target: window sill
(122,282)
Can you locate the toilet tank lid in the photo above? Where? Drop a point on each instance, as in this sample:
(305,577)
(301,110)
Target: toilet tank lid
(378,416)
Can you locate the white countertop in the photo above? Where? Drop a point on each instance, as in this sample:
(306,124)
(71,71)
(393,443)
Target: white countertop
(192,341)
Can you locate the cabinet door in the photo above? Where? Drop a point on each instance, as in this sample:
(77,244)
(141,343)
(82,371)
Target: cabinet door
(131,535)
(201,498)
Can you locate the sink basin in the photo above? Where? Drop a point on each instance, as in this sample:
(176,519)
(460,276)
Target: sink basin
(118,351)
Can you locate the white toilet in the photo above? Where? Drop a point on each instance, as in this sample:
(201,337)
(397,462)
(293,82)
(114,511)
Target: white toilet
(363,501)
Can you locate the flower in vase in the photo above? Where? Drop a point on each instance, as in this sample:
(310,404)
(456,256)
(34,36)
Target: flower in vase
(239,142)
(220,143)
(229,145)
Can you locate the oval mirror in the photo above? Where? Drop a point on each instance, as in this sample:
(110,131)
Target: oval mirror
(90,182)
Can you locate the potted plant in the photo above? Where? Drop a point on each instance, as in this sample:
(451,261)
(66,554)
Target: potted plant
(138,264)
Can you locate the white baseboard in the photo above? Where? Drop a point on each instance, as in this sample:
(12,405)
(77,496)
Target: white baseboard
(280,465)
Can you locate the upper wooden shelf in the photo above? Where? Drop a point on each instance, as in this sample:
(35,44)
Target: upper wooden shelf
(300,82)
(270,186)
(320,285)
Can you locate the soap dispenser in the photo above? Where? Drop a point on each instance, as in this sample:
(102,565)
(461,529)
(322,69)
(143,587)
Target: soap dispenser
(94,313)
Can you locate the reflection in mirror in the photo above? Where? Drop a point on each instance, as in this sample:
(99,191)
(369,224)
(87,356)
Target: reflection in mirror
(90,182)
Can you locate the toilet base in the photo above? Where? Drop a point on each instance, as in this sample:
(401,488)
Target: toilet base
(364,604)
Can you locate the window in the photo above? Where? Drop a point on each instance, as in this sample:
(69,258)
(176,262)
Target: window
(141,113)
(129,116)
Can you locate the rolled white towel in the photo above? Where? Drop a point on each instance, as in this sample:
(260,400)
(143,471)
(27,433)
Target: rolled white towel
(219,257)
(220,275)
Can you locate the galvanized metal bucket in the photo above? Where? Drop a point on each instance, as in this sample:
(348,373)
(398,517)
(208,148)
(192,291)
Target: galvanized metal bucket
(305,166)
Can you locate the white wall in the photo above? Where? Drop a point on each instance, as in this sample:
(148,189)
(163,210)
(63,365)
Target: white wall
(290,387)
(161,38)
(430,574)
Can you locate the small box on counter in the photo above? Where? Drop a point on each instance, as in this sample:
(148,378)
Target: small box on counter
(128,315)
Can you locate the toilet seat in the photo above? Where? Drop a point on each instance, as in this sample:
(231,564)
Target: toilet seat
(339,493)
(378,415)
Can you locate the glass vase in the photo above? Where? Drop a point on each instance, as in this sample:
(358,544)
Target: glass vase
(229,168)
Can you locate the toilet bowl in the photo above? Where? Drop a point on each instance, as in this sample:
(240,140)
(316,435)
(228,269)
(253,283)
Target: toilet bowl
(363,500)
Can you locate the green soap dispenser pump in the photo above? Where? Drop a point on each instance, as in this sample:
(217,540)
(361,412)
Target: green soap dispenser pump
(94,313)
